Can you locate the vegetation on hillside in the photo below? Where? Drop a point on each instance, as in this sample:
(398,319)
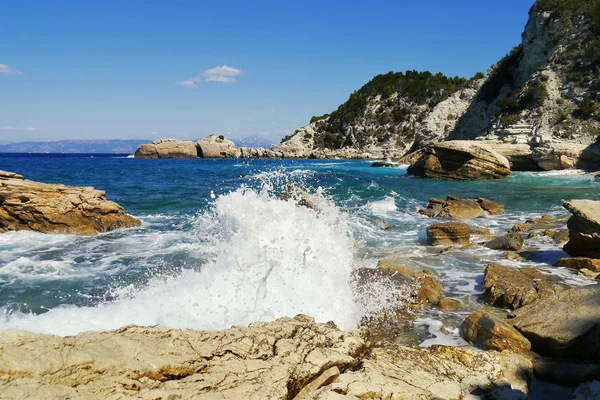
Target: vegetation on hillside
(396,93)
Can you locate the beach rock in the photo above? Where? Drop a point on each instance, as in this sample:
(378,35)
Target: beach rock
(395,265)
(544,222)
(519,155)
(55,208)
(429,289)
(214,146)
(565,324)
(558,235)
(488,332)
(592,264)
(584,228)
(458,208)
(480,231)
(460,160)
(510,287)
(290,358)
(448,305)
(384,164)
(557,156)
(167,148)
(513,256)
(435,372)
(448,233)
(566,373)
(295,194)
(511,241)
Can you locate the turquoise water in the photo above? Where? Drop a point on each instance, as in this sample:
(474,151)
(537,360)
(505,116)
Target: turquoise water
(217,247)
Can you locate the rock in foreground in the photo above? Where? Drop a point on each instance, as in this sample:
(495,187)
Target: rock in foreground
(276,360)
(566,324)
(455,207)
(54,208)
(448,233)
(584,228)
(490,333)
(460,160)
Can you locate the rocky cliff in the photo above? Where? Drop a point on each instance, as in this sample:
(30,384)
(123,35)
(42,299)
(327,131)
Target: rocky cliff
(544,90)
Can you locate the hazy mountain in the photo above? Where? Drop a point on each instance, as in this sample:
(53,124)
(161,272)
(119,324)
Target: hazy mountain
(74,146)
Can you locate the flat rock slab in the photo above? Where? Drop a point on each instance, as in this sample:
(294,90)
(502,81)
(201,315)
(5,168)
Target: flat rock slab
(458,208)
(448,233)
(565,324)
(55,208)
(275,360)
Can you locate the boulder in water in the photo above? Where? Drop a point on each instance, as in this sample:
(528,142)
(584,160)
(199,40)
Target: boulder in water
(488,332)
(214,146)
(55,208)
(584,228)
(592,264)
(460,160)
(167,148)
(458,208)
(511,241)
(448,233)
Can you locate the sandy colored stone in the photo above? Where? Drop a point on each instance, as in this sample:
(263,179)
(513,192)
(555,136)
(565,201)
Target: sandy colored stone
(512,241)
(457,208)
(448,305)
(488,332)
(545,222)
(565,324)
(592,264)
(508,287)
(448,233)
(584,228)
(167,148)
(480,231)
(323,379)
(55,208)
(214,146)
(460,160)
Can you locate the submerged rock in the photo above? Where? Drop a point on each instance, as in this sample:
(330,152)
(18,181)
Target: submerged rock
(511,241)
(458,208)
(387,164)
(488,332)
(300,197)
(591,264)
(448,233)
(566,324)
(511,287)
(167,148)
(55,208)
(460,160)
(544,222)
(584,228)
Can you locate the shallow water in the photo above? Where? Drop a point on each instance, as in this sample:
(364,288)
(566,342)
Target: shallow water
(217,247)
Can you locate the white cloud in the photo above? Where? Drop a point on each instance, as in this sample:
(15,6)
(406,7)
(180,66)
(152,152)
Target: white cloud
(18,128)
(5,69)
(223,74)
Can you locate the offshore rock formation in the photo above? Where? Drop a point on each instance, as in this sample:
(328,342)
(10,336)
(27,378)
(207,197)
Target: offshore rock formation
(214,146)
(53,208)
(460,160)
(290,358)
(167,148)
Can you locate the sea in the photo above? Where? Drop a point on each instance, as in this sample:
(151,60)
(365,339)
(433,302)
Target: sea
(218,247)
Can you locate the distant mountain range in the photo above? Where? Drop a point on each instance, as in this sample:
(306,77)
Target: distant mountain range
(74,146)
(112,146)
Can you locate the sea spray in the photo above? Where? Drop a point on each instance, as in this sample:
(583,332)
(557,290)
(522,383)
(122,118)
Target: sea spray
(271,258)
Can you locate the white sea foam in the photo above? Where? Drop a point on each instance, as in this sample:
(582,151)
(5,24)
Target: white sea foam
(383,206)
(25,268)
(272,259)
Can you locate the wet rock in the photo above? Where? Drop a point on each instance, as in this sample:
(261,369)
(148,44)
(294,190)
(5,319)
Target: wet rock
(167,148)
(379,164)
(395,265)
(584,228)
(511,241)
(557,156)
(565,324)
(488,332)
(300,197)
(458,208)
(448,233)
(512,256)
(55,208)
(429,289)
(588,274)
(448,305)
(544,222)
(508,287)
(460,160)
(564,372)
(592,264)
(214,146)
(480,231)
(559,236)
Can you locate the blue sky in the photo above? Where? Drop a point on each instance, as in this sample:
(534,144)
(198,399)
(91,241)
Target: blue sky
(185,69)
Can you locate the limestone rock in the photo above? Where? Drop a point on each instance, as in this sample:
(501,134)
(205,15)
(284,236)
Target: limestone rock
(384,164)
(519,155)
(458,208)
(558,235)
(448,305)
(480,231)
(429,289)
(511,241)
(300,197)
(488,332)
(592,264)
(510,287)
(436,372)
(55,208)
(448,233)
(460,160)
(566,324)
(557,156)
(167,148)
(214,146)
(544,222)
(584,228)
(567,373)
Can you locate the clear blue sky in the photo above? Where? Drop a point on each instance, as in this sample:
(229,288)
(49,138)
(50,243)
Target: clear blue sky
(146,69)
